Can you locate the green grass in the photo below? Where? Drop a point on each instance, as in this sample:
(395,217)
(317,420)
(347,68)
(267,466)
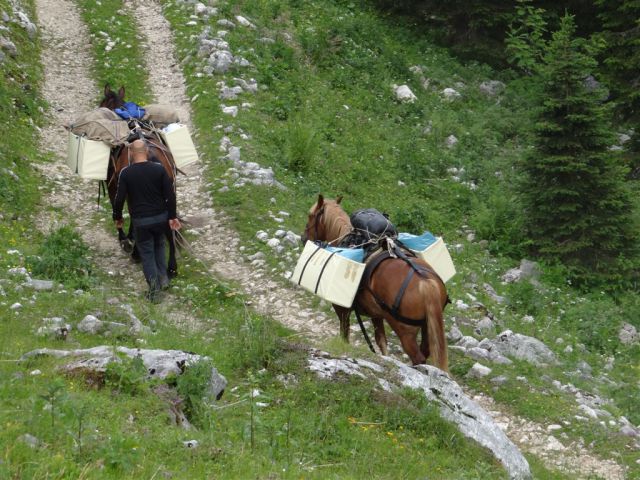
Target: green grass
(325,120)
(310,428)
(118,53)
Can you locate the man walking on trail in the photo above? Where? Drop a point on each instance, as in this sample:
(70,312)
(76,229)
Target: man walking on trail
(152,203)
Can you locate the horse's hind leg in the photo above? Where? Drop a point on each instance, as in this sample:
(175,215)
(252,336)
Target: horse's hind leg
(172,267)
(381,336)
(410,347)
(343,315)
(125,243)
(424,343)
(135,254)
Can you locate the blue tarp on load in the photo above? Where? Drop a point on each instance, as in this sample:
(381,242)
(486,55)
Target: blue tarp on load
(355,254)
(417,242)
(130,110)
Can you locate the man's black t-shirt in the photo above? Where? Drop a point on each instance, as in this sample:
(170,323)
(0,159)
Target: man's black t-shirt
(148,190)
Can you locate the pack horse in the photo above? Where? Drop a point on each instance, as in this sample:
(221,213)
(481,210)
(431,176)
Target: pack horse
(406,292)
(121,157)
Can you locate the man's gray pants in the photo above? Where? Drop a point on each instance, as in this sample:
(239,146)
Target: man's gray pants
(149,233)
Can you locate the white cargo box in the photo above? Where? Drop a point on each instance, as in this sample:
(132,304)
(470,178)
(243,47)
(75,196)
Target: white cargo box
(178,139)
(332,277)
(88,158)
(439,258)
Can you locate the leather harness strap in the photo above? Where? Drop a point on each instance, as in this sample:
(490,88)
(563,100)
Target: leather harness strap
(307,263)
(394,310)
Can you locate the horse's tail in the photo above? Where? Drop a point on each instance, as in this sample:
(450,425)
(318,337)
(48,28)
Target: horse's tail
(430,291)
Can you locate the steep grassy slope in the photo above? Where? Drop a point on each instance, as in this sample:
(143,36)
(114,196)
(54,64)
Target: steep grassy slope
(326,120)
(54,426)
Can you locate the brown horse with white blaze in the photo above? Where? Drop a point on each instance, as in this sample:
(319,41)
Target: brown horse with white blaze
(424,298)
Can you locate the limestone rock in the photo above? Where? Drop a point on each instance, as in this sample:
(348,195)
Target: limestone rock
(159,363)
(404,94)
(523,347)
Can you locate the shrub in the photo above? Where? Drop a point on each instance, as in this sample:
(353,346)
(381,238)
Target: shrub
(302,146)
(63,257)
(192,386)
(127,375)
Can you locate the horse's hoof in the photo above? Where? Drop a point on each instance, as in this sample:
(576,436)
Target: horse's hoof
(126,245)
(172,273)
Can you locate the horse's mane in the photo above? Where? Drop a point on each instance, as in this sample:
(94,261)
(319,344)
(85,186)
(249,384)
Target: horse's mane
(337,222)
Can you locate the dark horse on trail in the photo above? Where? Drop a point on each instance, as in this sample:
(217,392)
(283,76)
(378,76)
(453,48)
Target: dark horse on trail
(422,303)
(121,157)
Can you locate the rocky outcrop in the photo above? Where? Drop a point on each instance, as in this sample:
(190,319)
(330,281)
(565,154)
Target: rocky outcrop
(159,363)
(471,419)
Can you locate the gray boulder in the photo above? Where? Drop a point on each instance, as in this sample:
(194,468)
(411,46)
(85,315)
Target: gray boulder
(478,371)
(90,324)
(54,327)
(628,334)
(528,270)
(221,61)
(523,347)
(94,326)
(491,87)
(40,285)
(159,363)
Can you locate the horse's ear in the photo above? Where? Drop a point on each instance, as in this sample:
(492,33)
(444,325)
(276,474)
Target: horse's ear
(320,200)
(107,89)
(339,199)
(121,92)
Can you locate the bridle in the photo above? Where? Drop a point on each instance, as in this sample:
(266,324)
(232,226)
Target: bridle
(316,225)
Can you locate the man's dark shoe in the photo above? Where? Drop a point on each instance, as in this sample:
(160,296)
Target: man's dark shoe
(165,283)
(154,296)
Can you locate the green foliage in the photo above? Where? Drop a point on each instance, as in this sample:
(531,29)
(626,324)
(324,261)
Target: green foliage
(621,55)
(498,218)
(63,256)
(578,208)
(121,453)
(255,342)
(21,112)
(127,375)
(595,324)
(302,146)
(524,297)
(192,386)
(525,42)
(53,395)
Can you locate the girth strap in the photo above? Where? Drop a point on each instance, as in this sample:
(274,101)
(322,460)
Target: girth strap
(395,309)
(307,263)
(364,330)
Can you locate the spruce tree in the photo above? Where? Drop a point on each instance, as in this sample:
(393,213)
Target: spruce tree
(579,210)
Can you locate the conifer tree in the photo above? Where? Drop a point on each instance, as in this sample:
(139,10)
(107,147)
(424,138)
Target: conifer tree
(579,210)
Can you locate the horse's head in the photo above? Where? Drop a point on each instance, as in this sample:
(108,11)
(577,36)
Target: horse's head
(321,221)
(112,100)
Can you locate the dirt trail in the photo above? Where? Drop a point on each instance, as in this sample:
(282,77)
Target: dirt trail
(70,91)
(68,88)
